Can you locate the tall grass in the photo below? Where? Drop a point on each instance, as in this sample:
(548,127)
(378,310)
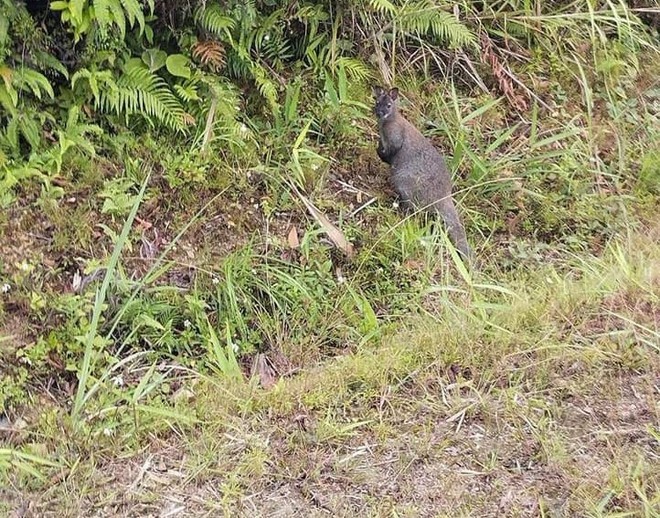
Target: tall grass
(93,342)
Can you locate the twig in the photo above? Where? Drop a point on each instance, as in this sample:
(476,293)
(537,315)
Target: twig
(361,207)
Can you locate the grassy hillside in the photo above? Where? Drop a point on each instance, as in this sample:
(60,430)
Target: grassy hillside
(179,336)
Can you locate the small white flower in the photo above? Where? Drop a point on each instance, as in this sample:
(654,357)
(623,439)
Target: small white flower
(266,37)
(244,128)
(186,323)
(395,204)
(118,381)
(215,280)
(108,432)
(5,287)
(315,167)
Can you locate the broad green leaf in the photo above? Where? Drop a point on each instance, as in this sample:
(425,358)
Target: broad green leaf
(177,65)
(154,59)
(59,6)
(76,7)
(149,34)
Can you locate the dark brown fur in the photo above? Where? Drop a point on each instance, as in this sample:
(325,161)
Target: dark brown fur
(419,173)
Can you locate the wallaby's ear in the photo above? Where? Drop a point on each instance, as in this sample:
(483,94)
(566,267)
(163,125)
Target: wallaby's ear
(394,93)
(377,91)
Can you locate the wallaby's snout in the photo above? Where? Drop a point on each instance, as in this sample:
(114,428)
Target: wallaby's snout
(383,110)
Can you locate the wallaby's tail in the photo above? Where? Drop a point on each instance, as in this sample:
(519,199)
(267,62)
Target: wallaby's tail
(455,229)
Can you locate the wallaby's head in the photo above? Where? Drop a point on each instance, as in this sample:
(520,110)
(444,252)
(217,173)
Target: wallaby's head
(385,102)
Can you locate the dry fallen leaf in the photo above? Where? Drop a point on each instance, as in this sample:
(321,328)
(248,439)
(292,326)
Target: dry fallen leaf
(265,371)
(333,232)
(293,240)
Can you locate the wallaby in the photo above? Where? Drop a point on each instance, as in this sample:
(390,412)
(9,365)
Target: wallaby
(419,173)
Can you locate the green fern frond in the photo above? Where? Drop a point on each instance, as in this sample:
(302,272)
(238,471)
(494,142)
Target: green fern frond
(383,6)
(103,13)
(266,87)
(28,79)
(133,12)
(26,126)
(355,68)
(425,17)
(214,20)
(8,98)
(118,12)
(45,61)
(98,81)
(141,92)
(188,91)
(267,27)
(220,111)
(117,16)
(276,52)
(449,29)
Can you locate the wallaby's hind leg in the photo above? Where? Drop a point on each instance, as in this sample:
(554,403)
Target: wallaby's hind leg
(455,228)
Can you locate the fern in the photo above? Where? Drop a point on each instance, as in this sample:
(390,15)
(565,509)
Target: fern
(141,92)
(210,53)
(26,123)
(103,13)
(97,81)
(45,61)
(355,68)
(188,91)
(26,126)
(425,17)
(243,65)
(265,86)
(447,28)
(219,110)
(237,68)
(11,175)
(213,20)
(8,97)
(133,11)
(83,14)
(383,7)
(275,50)
(28,79)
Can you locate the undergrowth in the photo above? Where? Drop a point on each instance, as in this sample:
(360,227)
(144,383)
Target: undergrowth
(166,295)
